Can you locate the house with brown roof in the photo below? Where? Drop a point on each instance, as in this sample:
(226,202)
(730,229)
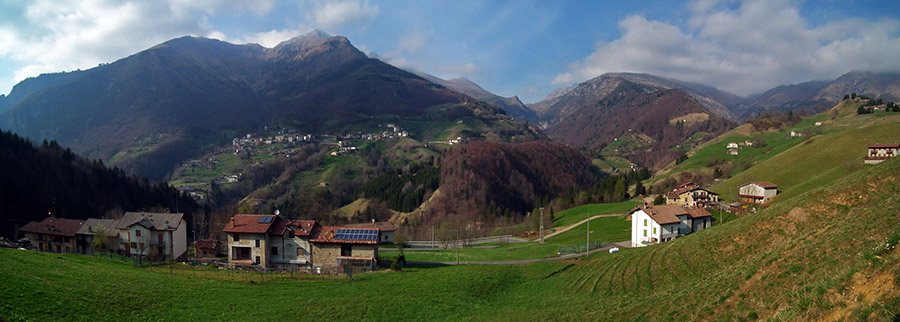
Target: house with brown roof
(55,235)
(690,195)
(335,247)
(207,248)
(757,192)
(386,230)
(656,224)
(289,243)
(94,228)
(155,235)
(879,152)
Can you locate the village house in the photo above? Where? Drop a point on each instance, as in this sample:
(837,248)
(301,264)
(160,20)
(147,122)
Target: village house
(248,239)
(656,224)
(757,192)
(289,243)
(879,152)
(155,235)
(732,145)
(335,247)
(90,230)
(55,235)
(385,230)
(690,195)
(207,248)
(733,152)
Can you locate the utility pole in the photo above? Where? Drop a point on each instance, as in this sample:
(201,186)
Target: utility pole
(542,226)
(588,244)
(432,237)
(457,246)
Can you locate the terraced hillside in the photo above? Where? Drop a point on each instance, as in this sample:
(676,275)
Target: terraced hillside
(826,254)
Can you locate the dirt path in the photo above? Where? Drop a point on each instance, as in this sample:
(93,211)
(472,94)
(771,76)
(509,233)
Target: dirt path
(576,225)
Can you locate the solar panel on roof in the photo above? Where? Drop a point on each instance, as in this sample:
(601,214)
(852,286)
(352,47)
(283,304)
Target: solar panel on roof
(266,219)
(356,234)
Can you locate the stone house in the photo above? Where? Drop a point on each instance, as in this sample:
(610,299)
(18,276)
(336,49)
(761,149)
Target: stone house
(158,235)
(879,152)
(690,195)
(757,192)
(55,235)
(656,224)
(289,243)
(335,247)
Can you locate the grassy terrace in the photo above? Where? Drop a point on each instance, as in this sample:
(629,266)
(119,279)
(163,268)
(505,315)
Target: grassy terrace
(828,253)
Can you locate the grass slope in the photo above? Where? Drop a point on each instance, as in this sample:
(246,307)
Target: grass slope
(827,253)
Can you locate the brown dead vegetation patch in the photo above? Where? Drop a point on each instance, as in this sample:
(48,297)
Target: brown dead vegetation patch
(864,289)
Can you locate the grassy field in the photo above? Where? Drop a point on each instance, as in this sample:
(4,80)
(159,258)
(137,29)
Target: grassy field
(826,254)
(818,160)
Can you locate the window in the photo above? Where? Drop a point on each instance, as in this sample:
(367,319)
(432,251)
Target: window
(160,239)
(274,250)
(257,260)
(133,244)
(346,250)
(236,237)
(645,233)
(241,253)
(137,233)
(299,251)
(645,222)
(67,239)
(41,246)
(654,230)
(257,243)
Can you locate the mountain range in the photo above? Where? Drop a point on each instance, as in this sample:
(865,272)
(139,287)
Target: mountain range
(152,110)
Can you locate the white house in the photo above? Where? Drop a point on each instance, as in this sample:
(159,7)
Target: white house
(879,152)
(732,145)
(757,191)
(655,224)
(691,195)
(153,234)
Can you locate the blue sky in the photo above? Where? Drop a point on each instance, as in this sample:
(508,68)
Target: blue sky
(519,47)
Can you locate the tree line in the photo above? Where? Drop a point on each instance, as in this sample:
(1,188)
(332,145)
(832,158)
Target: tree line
(38,180)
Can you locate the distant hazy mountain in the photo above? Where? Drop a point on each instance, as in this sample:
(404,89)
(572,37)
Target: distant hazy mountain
(636,117)
(154,109)
(512,105)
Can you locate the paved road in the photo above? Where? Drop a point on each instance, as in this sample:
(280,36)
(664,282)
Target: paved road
(604,248)
(576,225)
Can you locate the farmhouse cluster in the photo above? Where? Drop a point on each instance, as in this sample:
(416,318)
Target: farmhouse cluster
(151,235)
(686,212)
(270,241)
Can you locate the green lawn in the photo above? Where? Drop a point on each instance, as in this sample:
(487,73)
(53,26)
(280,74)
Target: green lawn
(826,253)
(573,215)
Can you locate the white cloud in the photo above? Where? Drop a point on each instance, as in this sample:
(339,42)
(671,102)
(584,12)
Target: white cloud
(333,14)
(464,69)
(758,45)
(52,36)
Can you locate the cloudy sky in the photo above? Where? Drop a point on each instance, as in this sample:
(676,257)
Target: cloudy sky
(516,47)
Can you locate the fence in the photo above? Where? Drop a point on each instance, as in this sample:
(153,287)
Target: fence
(255,274)
(577,248)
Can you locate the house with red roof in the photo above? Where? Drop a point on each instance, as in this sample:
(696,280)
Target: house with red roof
(207,248)
(55,235)
(757,192)
(269,241)
(386,230)
(656,224)
(879,152)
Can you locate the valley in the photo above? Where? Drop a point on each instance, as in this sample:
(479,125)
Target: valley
(237,178)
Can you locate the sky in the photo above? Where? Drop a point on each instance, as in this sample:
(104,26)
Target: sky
(517,47)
